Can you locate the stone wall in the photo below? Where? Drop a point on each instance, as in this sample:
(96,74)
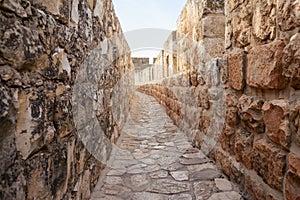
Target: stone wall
(237,91)
(140,61)
(63,65)
(261,135)
(189,81)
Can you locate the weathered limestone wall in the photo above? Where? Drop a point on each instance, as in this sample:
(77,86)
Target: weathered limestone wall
(261,134)
(188,77)
(237,91)
(51,53)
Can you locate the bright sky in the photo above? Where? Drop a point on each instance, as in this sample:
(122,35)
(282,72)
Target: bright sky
(147,20)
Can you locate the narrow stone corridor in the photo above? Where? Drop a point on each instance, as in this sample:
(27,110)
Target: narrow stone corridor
(154,160)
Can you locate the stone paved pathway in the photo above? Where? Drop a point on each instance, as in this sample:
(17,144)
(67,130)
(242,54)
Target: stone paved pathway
(155,161)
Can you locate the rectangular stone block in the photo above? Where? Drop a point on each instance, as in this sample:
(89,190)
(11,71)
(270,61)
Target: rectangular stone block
(264,20)
(291,61)
(240,24)
(269,162)
(213,26)
(264,68)
(288,14)
(236,69)
(275,115)
(59,8)
(292,181)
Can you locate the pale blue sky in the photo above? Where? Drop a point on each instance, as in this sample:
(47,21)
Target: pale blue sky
(152,16)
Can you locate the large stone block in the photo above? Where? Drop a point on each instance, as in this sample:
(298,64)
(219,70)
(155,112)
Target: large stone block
(250,112)
(241,22)
(291,61)
(265,66)
(236,69)
(277,123)
(243,147)
(231,5)
(264,19)
(214,47)
(21,8)
(269,163)
(21,47)
(288,14)
(59,8)
(213,26)
(292,181)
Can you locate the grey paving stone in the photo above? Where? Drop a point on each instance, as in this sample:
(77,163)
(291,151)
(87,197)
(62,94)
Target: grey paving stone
(206,174)
(203,189)
(226,195)
(166,186)
(180,175)
(223,184)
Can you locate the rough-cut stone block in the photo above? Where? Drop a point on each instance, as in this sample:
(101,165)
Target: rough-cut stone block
(236,69)
(214,5)
(241,21)
(74,12)
(250,112)
(60,61)
(276,119)
(214,47)
(231,116)
(288,14)
(292,182)
(269,163)
(254,188)
(21,47)
(264,19)
(231,5)
(58,8)
(243,147)
(16,7)
(295,120)
(213,26)
(229,166)
(265,66)
(291,61)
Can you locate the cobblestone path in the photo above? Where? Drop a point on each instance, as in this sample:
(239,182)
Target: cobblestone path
(154,161)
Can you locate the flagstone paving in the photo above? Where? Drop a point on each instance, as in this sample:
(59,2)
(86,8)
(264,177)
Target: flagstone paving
(154,160)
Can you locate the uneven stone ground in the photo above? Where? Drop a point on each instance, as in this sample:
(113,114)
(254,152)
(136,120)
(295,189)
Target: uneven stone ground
(154,161)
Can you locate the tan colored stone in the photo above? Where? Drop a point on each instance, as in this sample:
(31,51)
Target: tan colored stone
(214,47)
(223,184)
(277,124)
(250,112)
(291,61)
(236,69)
(25,141)
(231,5)
(59,8)
(14,6)
(243,147)
(241,21)
(25,51)
(269,163)
(265,66)
(264,19)
(292,181)
(213,26)
(288,14)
